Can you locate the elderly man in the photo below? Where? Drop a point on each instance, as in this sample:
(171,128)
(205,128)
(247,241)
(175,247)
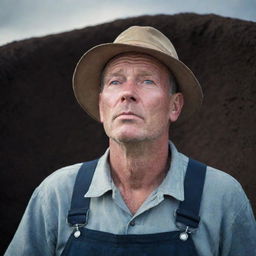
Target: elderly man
(142,197)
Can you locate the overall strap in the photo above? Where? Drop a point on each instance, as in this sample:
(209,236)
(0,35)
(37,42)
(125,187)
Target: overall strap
(188,211)
(77,214)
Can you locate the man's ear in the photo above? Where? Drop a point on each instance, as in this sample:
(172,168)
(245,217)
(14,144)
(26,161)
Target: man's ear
(176,104)
(100,108)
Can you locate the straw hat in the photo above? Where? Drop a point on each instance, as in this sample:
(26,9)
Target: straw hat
(147,40)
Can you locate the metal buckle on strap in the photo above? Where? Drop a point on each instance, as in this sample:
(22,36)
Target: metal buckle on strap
(76,231)
(77,226)
(184,235)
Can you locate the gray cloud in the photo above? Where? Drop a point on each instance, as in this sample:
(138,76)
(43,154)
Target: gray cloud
(21,19)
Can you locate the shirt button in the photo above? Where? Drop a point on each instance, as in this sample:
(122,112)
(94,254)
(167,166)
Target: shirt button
(132,223)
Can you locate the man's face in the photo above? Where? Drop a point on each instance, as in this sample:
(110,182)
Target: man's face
(135,103)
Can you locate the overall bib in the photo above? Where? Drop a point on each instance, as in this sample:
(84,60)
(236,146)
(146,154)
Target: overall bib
(86,242)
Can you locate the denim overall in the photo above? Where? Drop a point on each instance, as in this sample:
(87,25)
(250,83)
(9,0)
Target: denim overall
(86,242)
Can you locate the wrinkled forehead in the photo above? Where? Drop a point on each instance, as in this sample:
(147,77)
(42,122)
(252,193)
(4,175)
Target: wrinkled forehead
(131,57)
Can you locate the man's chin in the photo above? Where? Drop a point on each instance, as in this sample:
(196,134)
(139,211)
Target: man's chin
(129,138)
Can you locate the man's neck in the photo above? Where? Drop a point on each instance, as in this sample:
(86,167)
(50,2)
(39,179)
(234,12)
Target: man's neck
(138,168)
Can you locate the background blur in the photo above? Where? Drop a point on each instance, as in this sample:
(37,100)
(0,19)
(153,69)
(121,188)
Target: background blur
(20,19)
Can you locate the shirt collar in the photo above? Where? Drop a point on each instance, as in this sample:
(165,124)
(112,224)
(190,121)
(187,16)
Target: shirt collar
(101,181)
(172,185)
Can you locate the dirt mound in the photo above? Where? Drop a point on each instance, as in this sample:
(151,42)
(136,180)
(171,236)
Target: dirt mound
(43,128)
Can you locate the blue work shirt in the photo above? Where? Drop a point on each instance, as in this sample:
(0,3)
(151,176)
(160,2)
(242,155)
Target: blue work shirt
(227,226)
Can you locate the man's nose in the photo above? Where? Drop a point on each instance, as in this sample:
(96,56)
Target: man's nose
(128,97)
(129,92)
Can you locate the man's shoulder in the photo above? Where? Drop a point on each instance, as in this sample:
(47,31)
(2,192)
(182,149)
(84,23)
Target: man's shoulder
(59,182)
(218,184)
(218,179)
(63,174)
(215,178)
(223,190)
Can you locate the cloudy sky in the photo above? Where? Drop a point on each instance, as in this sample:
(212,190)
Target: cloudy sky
(20,19)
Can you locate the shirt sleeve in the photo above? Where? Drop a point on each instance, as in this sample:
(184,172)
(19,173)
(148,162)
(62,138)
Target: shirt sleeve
(243,240)
(239,236)
(35,234)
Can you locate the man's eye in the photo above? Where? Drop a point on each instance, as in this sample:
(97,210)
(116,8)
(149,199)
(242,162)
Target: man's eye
(148,81)
(114,82)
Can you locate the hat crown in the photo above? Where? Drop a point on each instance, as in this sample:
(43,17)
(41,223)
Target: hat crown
(147,37)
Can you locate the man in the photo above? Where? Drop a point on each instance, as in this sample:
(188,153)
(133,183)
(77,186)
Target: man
(142,197)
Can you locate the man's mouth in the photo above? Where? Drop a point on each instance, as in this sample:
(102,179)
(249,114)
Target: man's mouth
(127,114)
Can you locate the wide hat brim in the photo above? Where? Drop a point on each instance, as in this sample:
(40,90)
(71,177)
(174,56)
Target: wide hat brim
(87,77)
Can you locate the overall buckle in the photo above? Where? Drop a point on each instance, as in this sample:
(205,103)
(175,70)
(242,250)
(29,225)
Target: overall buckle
(184,234)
